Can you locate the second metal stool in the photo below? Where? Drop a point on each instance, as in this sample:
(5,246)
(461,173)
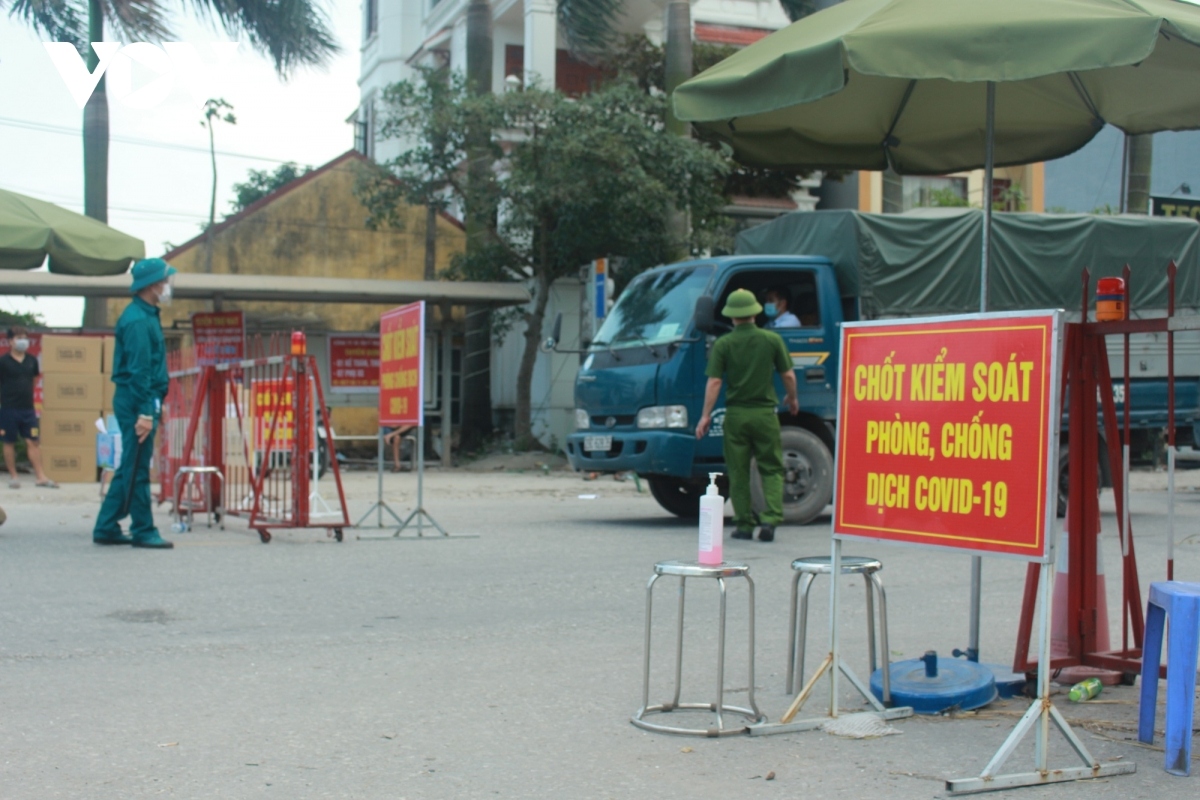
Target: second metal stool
(809,568)
(185,481)
(685,570)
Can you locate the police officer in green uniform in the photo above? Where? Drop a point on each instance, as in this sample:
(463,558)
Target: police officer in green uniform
(748,359)
(140,372)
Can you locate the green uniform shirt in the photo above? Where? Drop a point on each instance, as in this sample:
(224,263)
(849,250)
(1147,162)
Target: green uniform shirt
(748,359)
(140,365)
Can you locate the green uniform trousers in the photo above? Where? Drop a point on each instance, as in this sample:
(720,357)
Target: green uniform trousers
(129,490)
(754,433)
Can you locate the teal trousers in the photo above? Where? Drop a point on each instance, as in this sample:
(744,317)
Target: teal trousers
(129,490)
(754,433)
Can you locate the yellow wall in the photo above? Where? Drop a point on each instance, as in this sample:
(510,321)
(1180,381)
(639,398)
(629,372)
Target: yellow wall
(314,230)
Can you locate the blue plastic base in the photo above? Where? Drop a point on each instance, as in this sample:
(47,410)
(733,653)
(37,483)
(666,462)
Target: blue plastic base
(1008,683)
(959,684)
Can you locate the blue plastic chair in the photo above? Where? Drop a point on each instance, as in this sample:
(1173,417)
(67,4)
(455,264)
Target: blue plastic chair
(1182,602)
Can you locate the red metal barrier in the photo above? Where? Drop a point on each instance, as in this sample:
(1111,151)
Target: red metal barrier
(1086,370)
(256,420)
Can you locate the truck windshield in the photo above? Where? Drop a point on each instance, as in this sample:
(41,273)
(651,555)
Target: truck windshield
(655,308)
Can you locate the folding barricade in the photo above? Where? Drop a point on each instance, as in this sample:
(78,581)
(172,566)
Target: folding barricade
(242,417)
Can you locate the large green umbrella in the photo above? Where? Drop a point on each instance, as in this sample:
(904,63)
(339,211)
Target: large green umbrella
(31,229)
(931,86)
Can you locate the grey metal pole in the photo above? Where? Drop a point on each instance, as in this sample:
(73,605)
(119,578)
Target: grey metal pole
(420,479)
(988,169)
(379,475)
(984,265)
(446,375)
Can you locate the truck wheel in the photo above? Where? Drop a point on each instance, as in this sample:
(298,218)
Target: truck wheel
(679,496)
(807,477)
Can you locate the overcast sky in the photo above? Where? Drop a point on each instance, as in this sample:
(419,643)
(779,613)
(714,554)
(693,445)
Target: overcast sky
(160,185)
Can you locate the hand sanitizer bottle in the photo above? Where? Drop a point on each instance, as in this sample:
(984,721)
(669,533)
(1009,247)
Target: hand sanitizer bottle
(712,523)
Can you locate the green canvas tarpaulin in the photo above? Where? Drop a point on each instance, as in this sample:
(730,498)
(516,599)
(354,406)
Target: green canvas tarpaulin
(927,261)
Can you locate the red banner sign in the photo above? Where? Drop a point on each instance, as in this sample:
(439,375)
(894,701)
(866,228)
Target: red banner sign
(220,337)
(402,366)
(946,432)
(353,363)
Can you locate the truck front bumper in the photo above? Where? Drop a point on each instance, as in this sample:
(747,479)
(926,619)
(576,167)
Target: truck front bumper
(650,452)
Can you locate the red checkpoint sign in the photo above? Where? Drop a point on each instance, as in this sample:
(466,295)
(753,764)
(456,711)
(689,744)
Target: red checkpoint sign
(947,432)
(353,363)
(220,337)
(402,366)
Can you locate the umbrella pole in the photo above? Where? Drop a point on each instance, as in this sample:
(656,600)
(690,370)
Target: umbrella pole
(988,166)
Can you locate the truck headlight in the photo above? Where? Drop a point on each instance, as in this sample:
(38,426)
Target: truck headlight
(582,420)
(663,417)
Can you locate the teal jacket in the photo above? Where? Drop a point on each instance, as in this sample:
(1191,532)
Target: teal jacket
(140,364)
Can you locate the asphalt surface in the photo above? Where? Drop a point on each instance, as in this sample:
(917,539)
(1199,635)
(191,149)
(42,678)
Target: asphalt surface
(504,661)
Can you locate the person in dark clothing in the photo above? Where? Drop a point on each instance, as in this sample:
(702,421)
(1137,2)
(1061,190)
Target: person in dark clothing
(140,373)
(18,418)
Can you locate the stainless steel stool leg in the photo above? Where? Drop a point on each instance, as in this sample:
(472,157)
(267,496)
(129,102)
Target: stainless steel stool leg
(679,644)
(870,623)
(720,662)
(753,705)
(803,636)
(883,639)
(791,667)
(646,661)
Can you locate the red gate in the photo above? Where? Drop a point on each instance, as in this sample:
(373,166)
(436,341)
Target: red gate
(257,422)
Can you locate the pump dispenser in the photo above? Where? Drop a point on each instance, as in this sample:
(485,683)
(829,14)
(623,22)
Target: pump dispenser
(712,523)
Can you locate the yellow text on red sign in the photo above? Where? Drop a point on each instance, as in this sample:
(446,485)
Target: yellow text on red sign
(945,432)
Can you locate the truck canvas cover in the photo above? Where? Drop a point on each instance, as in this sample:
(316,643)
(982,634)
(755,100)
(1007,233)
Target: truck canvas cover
(927,261)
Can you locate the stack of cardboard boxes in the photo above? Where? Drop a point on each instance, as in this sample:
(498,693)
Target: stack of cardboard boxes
(76,391)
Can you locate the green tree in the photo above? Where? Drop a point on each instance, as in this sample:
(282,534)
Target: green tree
(432,115)
(567,181)
(26,319)
(261,183)
(580,180)
(212,114)
(292,33)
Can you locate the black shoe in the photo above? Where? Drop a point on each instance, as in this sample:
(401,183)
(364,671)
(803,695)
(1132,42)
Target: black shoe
(741,534)
(118,539)
(766,533)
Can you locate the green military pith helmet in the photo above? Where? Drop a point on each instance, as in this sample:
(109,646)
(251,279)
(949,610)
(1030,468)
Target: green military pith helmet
(741,304)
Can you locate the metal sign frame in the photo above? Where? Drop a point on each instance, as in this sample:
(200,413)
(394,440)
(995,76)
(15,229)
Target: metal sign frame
(419,516)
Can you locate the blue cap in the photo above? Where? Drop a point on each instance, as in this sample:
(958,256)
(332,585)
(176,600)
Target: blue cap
(148,272)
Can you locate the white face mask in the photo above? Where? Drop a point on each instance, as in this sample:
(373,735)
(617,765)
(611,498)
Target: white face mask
(20,345)
(164,295)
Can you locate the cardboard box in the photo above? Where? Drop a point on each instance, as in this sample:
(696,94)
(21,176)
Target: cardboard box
(107,391)
(71,392)
(75,355)
(72,429)
(71,464)
(110,350)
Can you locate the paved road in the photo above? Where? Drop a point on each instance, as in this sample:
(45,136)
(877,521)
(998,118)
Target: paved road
(505,665)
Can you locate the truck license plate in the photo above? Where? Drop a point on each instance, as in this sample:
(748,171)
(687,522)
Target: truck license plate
(594,443)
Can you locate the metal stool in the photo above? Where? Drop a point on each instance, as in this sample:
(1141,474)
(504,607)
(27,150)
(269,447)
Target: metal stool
(809,568)
(685,570)
(188,476)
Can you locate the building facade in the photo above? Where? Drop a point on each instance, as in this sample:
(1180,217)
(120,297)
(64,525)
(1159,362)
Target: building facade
(526,44)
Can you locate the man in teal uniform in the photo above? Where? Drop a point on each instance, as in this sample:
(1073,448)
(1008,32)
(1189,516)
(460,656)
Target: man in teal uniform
(748,358)
(140,372)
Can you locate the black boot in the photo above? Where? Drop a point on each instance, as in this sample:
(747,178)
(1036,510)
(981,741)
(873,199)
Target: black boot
(766,533)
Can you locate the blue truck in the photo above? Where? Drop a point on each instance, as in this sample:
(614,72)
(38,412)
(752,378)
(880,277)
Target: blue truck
(640,387)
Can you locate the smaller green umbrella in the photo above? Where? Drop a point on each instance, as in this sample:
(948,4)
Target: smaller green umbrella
(31,229)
